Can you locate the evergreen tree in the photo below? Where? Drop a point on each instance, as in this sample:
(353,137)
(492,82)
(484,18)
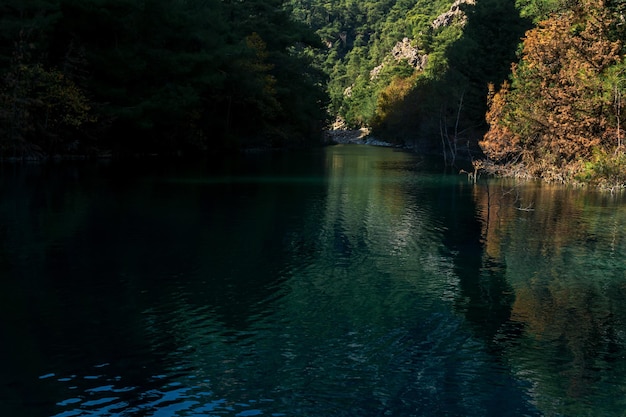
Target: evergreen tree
(164,75)
(148,64)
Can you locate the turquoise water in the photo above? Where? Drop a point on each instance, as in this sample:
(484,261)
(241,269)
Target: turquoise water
(349,281)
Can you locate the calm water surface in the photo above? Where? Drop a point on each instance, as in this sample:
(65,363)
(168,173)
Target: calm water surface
(350,281)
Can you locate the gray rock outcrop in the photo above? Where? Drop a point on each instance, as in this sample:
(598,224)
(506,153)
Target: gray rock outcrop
(404,50)
(455,13)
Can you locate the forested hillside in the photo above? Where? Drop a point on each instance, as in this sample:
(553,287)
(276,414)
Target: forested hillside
(547,74)
(416,71)
(127,76)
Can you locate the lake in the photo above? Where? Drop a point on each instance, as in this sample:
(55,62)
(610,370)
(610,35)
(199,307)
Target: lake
(346,281)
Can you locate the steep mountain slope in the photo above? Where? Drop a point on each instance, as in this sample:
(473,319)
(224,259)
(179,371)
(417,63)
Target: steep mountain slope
(416,72)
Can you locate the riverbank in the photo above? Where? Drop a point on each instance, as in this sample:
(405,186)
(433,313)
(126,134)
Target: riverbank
(604,172)
(353,136)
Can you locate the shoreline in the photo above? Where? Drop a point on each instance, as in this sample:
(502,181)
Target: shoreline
(353,136)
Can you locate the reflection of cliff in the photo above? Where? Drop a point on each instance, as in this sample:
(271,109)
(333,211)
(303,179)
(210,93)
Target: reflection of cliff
(377,243)
(564,255)
(371,211)
(363,202)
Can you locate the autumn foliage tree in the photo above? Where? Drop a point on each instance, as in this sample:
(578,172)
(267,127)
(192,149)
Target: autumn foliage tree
(560,107)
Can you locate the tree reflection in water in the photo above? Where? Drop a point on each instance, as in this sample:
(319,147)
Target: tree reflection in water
(565,263)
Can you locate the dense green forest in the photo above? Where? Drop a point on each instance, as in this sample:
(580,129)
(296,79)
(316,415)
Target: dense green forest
(534,85)
(415,71)
(128,76)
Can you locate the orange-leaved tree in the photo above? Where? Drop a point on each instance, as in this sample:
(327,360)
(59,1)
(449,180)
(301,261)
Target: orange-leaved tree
(559,108)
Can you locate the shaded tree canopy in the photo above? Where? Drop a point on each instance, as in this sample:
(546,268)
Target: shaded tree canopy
(155,76)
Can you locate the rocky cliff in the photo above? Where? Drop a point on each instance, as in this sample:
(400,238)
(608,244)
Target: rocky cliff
(403,50)
(454,14)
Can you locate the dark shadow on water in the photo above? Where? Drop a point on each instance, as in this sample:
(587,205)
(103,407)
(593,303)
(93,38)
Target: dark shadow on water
(107,270)
(485,298)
